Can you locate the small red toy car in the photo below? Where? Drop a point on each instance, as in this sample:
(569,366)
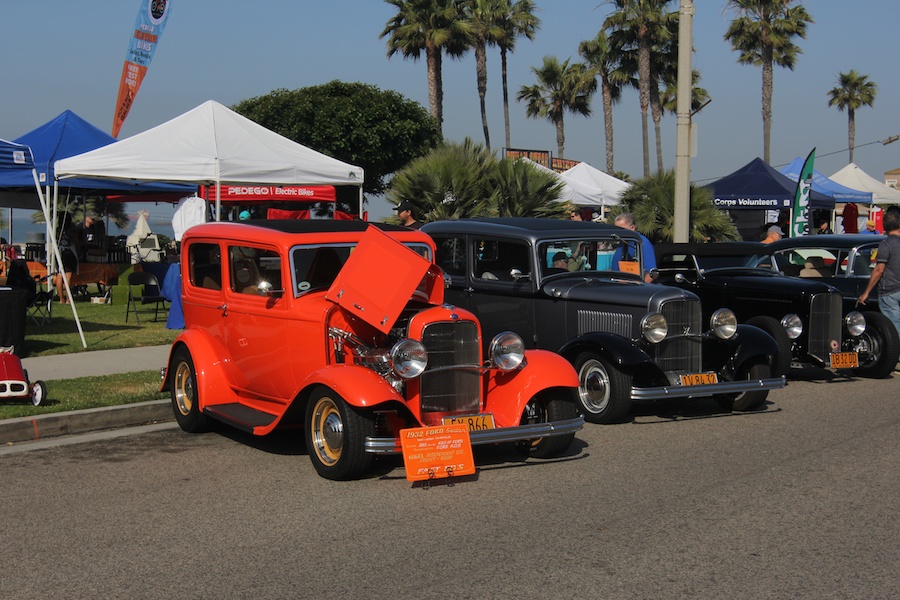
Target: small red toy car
(14,379)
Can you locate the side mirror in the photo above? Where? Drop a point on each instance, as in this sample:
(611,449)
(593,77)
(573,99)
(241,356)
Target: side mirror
(654,274)
(265,289)
(516,275)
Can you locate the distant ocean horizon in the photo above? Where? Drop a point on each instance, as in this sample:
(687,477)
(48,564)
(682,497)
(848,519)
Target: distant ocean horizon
(159,219)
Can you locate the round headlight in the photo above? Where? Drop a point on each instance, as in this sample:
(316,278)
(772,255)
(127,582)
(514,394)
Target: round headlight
(723,323)
(507,351)
(654,328)
(793,325)
(855,322)
(409,358)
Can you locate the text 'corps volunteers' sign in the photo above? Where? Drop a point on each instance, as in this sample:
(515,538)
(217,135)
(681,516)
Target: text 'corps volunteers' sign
(148,28)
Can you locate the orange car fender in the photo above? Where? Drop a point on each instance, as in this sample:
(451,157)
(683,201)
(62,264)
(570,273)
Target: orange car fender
(509,392)
(209,365)
(359,386)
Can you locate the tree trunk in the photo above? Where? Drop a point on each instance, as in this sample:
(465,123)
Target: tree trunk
(439,87)
(432,62)
(481,76)
(560,137)
(851,130)
(767,103)
(656,109)
(505,94)
(607,123)
(644,93)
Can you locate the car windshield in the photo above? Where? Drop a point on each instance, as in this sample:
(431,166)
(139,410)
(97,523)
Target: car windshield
(724,261)
(591,254)
(827,262)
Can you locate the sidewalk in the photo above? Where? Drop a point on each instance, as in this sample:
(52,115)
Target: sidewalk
(89,364)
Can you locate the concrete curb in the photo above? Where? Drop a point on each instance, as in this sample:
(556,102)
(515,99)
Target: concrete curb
(29,429)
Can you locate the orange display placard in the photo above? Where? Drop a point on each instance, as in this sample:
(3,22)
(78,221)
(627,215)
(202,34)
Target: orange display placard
(630,266)
(437,452)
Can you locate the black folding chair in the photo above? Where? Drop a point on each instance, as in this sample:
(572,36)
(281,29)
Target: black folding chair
(143,288)
(39,305)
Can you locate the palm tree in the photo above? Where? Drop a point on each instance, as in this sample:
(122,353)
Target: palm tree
(639,24)
(432,26)
(561,87)
(852,92)
(668,96)
(604,63)
(485,18)
(652,202)
(762,34)
(517,20)
(522,189)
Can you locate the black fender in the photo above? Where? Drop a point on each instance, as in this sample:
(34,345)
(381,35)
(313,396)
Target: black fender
(753,346)
(615,348)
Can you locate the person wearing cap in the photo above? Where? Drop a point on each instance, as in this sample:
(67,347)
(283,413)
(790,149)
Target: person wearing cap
(89,234)
(405,214)
(870,228)
(773,234)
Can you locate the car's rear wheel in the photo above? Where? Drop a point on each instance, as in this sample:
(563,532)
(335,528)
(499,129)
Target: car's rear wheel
(604,390)
(547,407)
(781,365)
(878,346)
(750,400)
(336,435)
(185,393)
(38,392)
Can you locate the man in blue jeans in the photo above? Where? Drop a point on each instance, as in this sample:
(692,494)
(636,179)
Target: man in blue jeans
(886,274)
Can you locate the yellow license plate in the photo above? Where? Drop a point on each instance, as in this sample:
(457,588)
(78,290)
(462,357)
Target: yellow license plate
(699,378)
(844,360)
(473,422)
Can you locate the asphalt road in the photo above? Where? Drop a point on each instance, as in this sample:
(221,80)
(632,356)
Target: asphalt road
(797,501)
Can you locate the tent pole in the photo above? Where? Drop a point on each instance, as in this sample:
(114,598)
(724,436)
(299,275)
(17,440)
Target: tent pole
(57,255)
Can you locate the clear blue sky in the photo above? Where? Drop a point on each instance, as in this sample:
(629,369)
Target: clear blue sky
(60,55)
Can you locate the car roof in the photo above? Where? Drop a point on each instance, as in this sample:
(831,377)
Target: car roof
(532,228)
(827,240)
(286,230)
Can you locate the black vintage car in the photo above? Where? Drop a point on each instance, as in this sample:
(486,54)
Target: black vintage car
(807,317)
(575,288)
(844,261)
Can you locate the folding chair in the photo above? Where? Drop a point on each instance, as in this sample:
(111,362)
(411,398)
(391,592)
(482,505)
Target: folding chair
(143,288)
(39,305)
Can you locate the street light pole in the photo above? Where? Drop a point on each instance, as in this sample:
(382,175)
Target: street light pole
(683,126)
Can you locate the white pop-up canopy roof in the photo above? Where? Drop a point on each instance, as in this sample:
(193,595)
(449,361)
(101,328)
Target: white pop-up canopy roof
(611,188)
(854,177)
(211,145)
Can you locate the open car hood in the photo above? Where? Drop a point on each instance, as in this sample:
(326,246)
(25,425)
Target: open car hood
(379,278)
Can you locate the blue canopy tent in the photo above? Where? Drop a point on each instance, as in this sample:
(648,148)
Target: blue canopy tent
(753,190)
(829,187)
(65,136)
(17,162)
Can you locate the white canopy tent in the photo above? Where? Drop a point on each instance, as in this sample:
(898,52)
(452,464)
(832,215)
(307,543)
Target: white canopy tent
(211,145)
(854,177)
(576,192)
(611,188)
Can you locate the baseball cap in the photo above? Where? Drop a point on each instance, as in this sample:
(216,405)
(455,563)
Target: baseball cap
(870,223)
(405,205)
(775,229)
(245,214)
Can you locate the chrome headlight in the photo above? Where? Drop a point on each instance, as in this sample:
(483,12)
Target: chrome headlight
(723,323)
(654,327)
(855,323)
(409,358)
(507,351)
(793,325)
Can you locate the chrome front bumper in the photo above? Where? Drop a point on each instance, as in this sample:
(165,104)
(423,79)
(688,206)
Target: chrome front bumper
(698,391)
(379,445)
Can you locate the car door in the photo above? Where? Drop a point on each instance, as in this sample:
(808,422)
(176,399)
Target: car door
(492,277)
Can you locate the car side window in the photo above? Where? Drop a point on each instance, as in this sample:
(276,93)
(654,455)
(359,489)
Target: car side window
(205,266)
(451,255)
(499,260)
(316,267)
(249,266)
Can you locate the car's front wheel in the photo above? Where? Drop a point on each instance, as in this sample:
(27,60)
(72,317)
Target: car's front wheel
(878,346)
(547,407)
(185,393)
(38,392)
(604,390)
(750,400)
(336,435)
(781,364)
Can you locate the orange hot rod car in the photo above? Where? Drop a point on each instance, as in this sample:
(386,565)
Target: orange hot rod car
(340,327)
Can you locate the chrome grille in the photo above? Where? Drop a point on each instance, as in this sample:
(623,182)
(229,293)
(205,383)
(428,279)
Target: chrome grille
(680,352)
(446,390)
(824,325)
(595,320)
